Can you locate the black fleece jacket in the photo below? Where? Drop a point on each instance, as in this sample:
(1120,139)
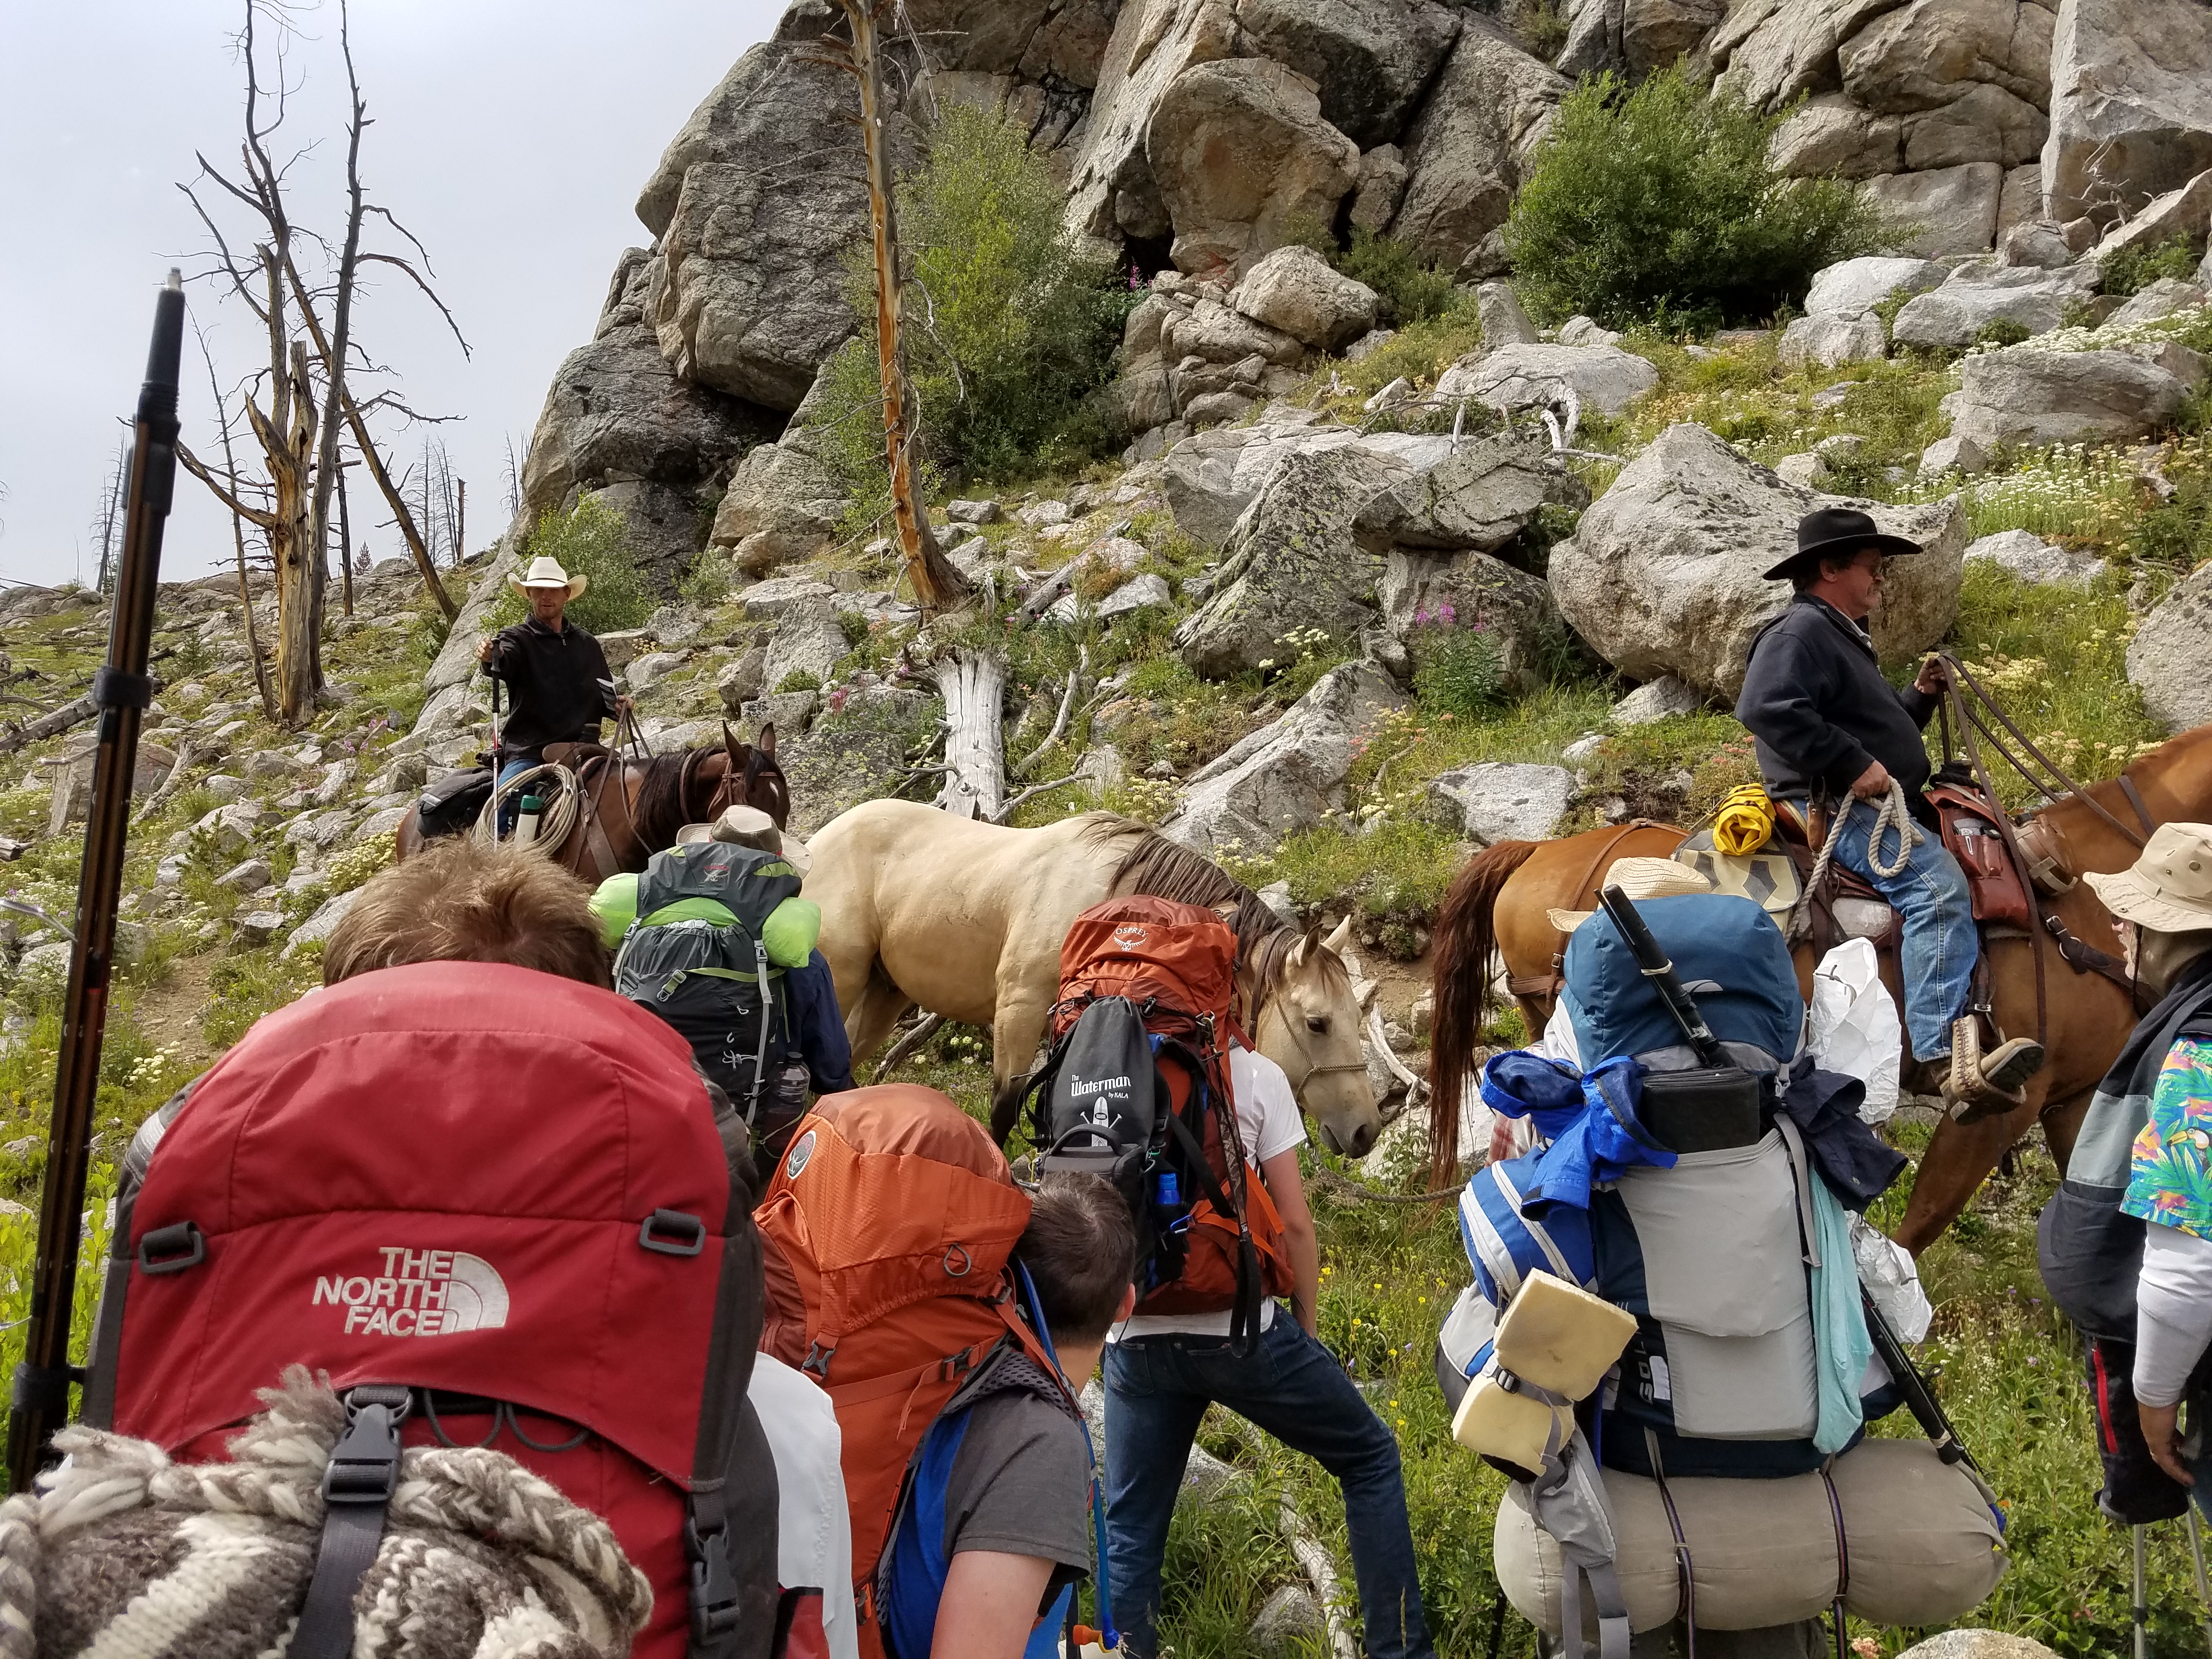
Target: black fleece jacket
(1815,699)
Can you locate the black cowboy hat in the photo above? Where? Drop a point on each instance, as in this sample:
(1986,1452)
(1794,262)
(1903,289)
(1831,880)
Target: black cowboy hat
(1839,529)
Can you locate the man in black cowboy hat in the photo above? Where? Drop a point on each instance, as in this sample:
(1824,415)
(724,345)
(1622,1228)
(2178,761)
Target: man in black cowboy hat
(1828,725)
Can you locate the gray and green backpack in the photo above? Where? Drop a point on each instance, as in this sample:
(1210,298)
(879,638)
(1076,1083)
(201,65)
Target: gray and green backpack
(698,956)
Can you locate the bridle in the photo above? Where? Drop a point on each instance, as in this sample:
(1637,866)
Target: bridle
(1314,1068)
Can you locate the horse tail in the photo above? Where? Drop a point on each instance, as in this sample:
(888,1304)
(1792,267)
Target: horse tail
(1466,937)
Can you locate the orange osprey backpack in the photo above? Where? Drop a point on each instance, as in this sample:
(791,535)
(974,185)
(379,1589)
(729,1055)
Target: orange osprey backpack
(1137,1089)
(887,1231)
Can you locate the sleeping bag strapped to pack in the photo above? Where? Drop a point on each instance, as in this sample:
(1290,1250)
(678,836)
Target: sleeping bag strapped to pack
(698,955)
(493,1204)
(449,805)
(889,1228)
(1137,1090)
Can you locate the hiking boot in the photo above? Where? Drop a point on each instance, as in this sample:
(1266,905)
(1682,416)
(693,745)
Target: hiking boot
(1986,1085)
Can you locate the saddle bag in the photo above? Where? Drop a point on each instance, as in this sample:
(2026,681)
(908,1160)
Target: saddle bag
(1972,836)
(493,1205)
(451,803)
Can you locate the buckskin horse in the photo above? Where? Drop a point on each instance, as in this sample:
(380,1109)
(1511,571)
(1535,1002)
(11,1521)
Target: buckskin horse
(1499,901)
(630,809)
(966,920)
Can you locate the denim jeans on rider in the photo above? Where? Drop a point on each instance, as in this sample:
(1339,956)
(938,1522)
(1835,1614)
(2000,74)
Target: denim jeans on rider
(513,809)
(1157,1389)
(1940,945)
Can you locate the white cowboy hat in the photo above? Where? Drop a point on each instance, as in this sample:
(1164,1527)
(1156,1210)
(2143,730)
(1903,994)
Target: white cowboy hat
(2168,889)
(547,573)
(1640,878)
(748,826)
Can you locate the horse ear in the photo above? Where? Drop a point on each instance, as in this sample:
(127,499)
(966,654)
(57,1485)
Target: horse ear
(767,743)
(729,743)
(1301,952)
(1342,937)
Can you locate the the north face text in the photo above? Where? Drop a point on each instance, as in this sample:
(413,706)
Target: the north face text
(418,1293)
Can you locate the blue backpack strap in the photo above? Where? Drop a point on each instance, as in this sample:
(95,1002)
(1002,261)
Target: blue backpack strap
(916,1567)
(1110,1638)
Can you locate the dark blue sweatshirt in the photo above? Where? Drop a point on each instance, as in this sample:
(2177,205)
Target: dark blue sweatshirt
(1815,699)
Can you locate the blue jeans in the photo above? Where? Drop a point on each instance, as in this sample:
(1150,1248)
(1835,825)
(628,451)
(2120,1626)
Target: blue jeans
(1939,946)
(1157,1390)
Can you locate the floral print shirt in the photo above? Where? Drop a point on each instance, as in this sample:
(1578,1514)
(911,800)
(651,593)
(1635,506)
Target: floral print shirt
(2170,1176)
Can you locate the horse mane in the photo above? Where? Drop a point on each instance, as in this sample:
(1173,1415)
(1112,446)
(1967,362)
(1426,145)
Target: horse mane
(660,812)
(1159,868)
(1465,939)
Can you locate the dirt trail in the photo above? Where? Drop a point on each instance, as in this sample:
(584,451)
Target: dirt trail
(170,1013)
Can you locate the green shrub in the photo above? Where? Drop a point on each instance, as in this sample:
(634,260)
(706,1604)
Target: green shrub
(591,540)
(1659,205)
(798,680)
(708,580)
(1412,291)
(2001,333)
(1456,670)
(1009,331)
(2135,269)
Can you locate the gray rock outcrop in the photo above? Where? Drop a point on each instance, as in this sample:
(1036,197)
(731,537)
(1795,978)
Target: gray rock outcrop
(1665,572)
(2028,557)
(1473,589)
(1240,157)
(1503,800)
(2166,659)
(1981,294)
(1371,60)
(1831,341)
(1516,377)
(1296,291)
(1635,36)
(752,204)
(1467,150)
(1283,777)
(2162,298)
(2130,104)
(617,410)
(2030,396)
(1852,287)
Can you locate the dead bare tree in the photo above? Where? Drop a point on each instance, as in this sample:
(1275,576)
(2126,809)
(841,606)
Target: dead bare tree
(937,584)
(238,535)
(345,541)
(111,513)
(300,442)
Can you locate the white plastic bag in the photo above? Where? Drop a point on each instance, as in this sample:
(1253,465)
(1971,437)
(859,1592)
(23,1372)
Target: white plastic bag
(1853,1027)
(1887,1269)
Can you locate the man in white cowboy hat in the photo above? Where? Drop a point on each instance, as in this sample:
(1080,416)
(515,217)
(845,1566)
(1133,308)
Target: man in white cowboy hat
(2162,1081)
(558,683)
(1828,726)
(808,1050)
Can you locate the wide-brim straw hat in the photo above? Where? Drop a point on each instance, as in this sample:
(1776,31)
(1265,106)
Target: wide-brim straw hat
(2168,889)
(547,573)
(1840,530)
(1639,879)
(748,826)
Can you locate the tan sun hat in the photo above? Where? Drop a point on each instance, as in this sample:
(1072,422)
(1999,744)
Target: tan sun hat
(547,573)
(748,826)
(1640,878)
(2169,888)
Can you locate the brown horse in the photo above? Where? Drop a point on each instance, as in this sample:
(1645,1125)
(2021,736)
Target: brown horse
(631,810)
(1499,901)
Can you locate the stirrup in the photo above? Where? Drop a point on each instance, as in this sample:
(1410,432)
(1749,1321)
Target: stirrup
(1981,1086)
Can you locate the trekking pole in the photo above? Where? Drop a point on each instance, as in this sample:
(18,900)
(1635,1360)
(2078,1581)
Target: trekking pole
(2139,1608)
(121,691)
(2197,1560)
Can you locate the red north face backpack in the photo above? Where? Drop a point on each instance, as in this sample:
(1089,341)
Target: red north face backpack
(495,1207)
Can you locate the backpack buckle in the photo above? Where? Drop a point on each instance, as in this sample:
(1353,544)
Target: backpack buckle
(364,1466)
(818,1360)
(172,1248)
(714,1587)
(671,1232)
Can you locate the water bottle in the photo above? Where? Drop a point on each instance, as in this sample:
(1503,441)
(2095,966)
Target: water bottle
(525,826)
(1168,1191)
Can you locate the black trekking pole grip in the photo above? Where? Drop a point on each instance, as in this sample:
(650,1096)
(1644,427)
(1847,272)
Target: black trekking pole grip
(121,691)
(1655,967)
(1919,1399)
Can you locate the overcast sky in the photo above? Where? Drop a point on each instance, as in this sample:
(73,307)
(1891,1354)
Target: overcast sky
(511,135)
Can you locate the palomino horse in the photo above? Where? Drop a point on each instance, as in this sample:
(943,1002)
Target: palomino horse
(1499,902)
(966,920)
(631,810)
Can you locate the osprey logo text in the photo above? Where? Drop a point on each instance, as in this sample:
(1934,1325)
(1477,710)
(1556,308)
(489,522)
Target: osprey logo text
(418,1293)
(1131,936)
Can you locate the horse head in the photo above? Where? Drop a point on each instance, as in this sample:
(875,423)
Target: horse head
(749,777)
(1309,1024)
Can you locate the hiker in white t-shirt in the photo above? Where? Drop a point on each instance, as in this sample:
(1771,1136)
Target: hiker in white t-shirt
(1161,1371)
(813,1541)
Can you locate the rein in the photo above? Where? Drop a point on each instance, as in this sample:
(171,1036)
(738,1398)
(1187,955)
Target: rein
(1978,715)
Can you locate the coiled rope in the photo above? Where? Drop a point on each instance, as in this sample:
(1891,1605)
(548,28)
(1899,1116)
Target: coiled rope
(560,813)
(1892,815)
